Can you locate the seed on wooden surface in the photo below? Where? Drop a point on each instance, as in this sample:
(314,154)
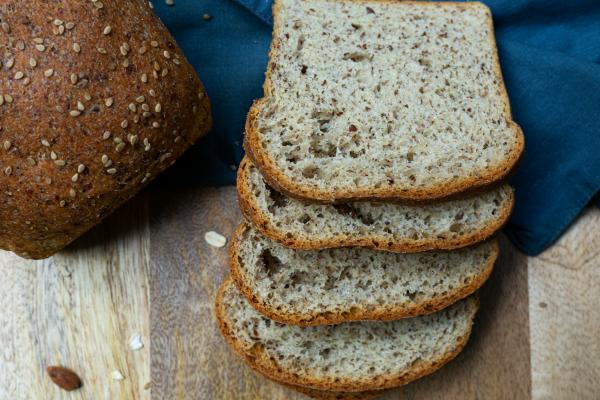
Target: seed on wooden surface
(64,378)
(215,239)
(117,375)
(135,342)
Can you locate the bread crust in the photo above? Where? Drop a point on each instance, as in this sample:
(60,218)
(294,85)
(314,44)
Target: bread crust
(260,361)
(329,395)
(358,313)
(441,191)
(104,68)
(253,214)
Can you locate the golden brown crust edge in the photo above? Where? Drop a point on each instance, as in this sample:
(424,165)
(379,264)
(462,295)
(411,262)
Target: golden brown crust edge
(442,191)
(383,313)
(256,217)
(329,395)
(259,361)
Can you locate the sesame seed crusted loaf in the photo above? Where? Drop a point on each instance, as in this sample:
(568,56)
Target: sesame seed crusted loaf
(317,287)
(382,100)
(382,226)
(96,99)
(351,357)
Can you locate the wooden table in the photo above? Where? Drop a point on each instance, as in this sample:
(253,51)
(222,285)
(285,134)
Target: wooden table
(148,271)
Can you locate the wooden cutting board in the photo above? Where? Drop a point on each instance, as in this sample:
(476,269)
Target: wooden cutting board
(147,270)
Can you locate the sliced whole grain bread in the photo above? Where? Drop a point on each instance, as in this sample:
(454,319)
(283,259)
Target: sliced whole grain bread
(382,100)
(351,357)
(382,226)
(317,287)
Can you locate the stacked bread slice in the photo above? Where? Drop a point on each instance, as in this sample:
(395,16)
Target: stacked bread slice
(371,192)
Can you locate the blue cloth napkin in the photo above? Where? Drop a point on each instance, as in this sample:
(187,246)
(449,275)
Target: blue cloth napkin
(550,56)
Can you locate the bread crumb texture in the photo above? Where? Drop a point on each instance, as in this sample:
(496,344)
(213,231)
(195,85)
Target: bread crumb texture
(383,99)
(96,99)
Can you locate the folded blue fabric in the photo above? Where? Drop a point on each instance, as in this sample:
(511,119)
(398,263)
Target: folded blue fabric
(550,56)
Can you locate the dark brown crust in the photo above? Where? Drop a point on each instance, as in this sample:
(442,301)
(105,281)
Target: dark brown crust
(283,184)
(39,215)
(329,395)
(260,221)
(388,312)
(258,360)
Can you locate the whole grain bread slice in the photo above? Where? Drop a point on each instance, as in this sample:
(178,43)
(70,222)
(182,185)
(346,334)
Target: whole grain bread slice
(317,287)
(352,357)
(381,100)
(382,226)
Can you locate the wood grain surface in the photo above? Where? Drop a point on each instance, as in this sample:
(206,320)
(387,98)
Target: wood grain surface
(148,270)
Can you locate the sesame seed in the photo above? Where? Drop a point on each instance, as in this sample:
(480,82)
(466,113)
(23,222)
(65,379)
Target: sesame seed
(145,107)
(140,99)
(60,109)
(146,114)
(118,140)
(133,139)
(120,147)
(8,98)
(111,171)
(165,156)
(156,66)
(99,4)
(176,61)
(164,72)
(106,135)
(48,73)
(80,168)
(206,17)
(144,78)
(30,161)
(76,48)
(1,99)
(10,62)
(70,25)
(58,22)
(26,81)
(80,106)
(21,45)
(19,75)
(72,192)
(48,180)
(155,124)
(75,178)
(8,170)
(32,62)
(40,47)
(61,30)
(109,102)
(158,108)
(108,164)
(107,30)
(62,203)
(166,54)
(60,163)
(155,74)
(45,143)
(132,107)
(154,43)
(74,113)
(142,50)
(87,96)
(170,2)
(74,78)
(6,145)
(53,155)
(152,92)
(38,40)
(5,27)
(104,158)
(124,124)
(102,50)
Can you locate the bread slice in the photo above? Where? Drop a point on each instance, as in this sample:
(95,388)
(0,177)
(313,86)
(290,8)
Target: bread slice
(382,100)
(382,226)
(352,357)
(316,287)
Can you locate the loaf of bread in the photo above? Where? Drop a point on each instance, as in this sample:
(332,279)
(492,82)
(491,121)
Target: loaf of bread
(382,100)
(96,99)
(381,226)
(317,287)
(351,357)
